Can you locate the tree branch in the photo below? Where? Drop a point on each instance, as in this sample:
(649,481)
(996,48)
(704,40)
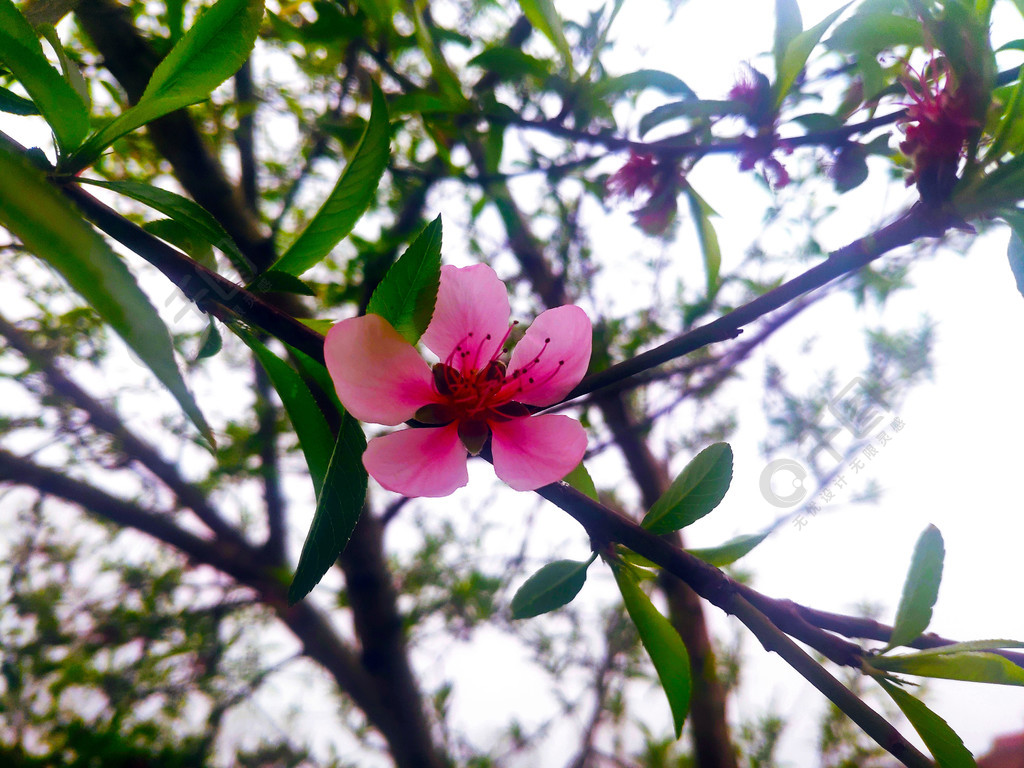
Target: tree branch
(606,527)
(919,221)
(105,420)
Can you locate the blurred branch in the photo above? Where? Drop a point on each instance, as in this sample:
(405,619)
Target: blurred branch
(359,678)
(106,420)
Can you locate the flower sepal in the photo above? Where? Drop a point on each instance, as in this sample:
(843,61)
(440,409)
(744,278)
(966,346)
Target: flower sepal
(474,434)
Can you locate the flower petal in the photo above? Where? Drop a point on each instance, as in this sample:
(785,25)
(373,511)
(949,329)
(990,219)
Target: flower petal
(538,450)
(379,376)
(472,303)
(418,462)
(552,356)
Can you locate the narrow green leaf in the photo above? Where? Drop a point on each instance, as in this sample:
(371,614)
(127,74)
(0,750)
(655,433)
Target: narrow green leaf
(788,24)
(970,646)
(71,72)
(406,295)
(663,644)
(58,102)
(544,17)
(189,214)
(920,590)
(511,64)
(702,213)
(1015,248)
(1009,132)
(870,33)
(184,239)
(311,427)
(338,508)
(700,488)
(731,551)
(554,585)
(13,104)
(797,52)
(689,109)
(581,480)
(213,49)
(210,342)
(350,198)
(642,79)
(54,231)
(945,745)
(975,667)
(280,282)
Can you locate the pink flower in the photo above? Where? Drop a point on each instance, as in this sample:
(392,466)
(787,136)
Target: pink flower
(471,396)
(937,126)
(660,179)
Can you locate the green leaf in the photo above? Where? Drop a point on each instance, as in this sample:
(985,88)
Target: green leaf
(1009,132)
(702,213)
(731,551)
(689,109)
(797,51)
(788,24)
(554,585)
(210,342)
(970,646)
(13,104)
(406,295)
(338,508)
(544,17)
(350,198)
(642,79)
(581,480)
(315,437)
(972,666)
(58,102)
(54,231)
(183,239)
(71,72)
(868,34)
(280,282)
(663,644)
(945,745)
(1015,248)
(335,466)
(920,590)
(511,64)
(187,213)
(700,488)
(208,54)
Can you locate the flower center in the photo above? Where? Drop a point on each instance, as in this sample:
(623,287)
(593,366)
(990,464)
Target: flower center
(477,387)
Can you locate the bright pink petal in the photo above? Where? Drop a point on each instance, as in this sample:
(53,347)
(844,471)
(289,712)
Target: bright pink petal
(379,376)
(537,450)
(552,356)
(418,462)
(472,304)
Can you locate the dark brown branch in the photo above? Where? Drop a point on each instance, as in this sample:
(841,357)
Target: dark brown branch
(275,545)
(919,221)
(211,292)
